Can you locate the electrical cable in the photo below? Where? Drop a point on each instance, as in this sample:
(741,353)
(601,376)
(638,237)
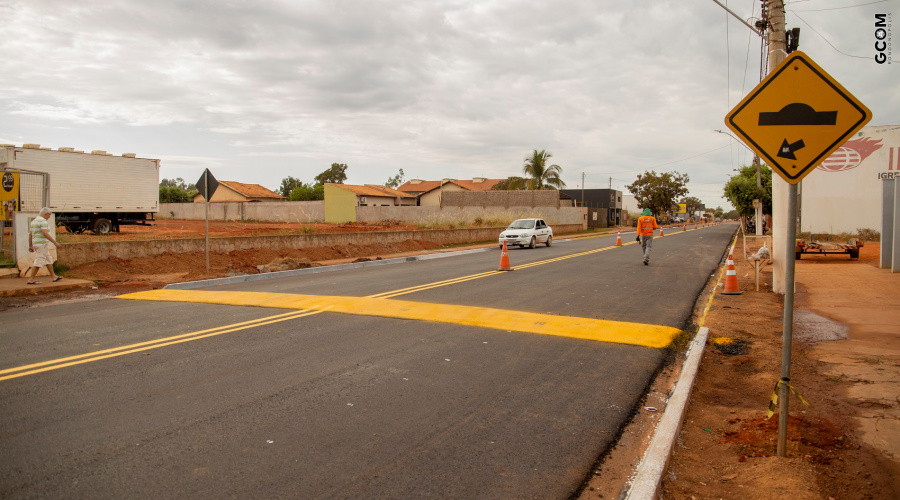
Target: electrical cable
(839,8)
(826,40)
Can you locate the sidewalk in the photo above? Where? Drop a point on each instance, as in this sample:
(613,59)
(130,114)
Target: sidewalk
(19,287)
(845,363)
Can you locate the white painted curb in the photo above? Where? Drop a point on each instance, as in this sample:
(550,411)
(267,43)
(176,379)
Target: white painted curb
(650,472)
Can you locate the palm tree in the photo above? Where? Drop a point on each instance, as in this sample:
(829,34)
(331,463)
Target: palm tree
(541,176)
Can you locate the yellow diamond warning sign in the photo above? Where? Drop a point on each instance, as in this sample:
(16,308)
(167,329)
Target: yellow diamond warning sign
(796,117)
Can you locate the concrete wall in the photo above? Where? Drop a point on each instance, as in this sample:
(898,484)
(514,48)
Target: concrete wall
(466,215)
(340,205)
(266,211)
(75,254)
(506,199)
(314,212)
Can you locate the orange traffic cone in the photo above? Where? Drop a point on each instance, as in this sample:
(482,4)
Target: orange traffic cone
(684,228)
(731,284)
(619,239)
(504,259)
(661,232)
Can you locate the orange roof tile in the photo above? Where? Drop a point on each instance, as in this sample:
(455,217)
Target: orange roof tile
(251,190)
(372,190)
(469,185)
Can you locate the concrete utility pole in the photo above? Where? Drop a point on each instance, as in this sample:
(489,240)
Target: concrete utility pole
(775,28)
(784,231)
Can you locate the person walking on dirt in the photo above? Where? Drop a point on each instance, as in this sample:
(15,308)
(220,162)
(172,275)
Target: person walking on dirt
(39,240)
(646,224)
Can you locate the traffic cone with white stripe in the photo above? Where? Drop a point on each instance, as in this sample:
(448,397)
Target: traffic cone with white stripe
(619,239)
(684,228)
(731,283)
(504,259)
(661,232)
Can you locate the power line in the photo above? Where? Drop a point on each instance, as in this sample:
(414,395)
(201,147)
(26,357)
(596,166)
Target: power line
(838,8)
(826,40)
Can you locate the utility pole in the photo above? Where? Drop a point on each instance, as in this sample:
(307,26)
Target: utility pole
(582,189)
(784,231)
(773,12)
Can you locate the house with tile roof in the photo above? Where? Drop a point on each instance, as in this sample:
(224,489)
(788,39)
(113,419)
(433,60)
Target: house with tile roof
(237,191)
(341,200)
(429,192)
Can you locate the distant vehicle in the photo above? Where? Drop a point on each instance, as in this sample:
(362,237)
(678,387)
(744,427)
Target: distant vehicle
(677,220)
(528,232)
(89,191)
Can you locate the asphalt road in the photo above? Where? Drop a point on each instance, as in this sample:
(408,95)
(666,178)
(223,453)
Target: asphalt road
(179,399)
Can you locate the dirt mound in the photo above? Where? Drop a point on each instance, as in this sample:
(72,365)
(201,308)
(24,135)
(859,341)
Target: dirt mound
(160,270)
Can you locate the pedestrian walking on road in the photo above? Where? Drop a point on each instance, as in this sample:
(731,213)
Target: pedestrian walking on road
(646,225)
(39,240)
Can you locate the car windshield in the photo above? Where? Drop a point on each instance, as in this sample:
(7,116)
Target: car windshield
(522,224)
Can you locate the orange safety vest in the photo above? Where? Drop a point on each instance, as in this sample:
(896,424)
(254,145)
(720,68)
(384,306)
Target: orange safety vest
(646,225)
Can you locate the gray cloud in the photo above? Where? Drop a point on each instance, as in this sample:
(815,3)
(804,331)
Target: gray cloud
(447,88)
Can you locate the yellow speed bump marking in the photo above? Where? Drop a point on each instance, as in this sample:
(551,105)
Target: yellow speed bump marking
(499,319)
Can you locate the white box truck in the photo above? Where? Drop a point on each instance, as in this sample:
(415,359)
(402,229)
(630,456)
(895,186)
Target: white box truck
(95,191)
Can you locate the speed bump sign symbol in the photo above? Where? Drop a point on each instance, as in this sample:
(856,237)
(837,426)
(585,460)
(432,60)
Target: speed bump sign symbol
(796,117)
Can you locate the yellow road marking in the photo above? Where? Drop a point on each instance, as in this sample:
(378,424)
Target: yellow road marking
(499,319)
(55,364)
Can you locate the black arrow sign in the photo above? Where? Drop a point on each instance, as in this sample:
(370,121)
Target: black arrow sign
(787,150)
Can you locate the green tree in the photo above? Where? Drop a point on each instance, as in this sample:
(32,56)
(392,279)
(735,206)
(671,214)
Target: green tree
(741,190)
(511,184)
(176,191)
(307,192)
(288,184)
(395,181)
(177,182)
(658,192)
(337,174)
(720,212)
(170,194)
(539,175)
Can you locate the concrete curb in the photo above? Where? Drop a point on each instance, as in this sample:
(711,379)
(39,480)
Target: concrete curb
(650,472)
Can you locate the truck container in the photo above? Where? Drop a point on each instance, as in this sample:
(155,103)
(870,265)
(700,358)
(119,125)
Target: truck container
(90,191)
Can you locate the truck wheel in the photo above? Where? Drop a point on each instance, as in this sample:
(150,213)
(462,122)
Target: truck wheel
(102,226)
(854,254)
(797,255)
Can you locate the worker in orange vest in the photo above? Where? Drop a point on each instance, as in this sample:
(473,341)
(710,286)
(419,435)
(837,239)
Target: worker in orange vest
(646,225)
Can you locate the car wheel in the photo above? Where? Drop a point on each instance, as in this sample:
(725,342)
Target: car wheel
(531,243)
(549,240)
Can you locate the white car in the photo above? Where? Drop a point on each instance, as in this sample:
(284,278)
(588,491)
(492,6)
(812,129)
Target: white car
(527,232)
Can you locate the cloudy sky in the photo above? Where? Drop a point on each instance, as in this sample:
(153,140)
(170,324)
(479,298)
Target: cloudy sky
(260,90)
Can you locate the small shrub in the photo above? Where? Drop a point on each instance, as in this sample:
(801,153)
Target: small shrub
(867,234)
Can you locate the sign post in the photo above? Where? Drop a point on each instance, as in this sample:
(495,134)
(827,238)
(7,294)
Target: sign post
(207,186)
(795,118)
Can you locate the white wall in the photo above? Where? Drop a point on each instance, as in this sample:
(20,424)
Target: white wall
(844,193)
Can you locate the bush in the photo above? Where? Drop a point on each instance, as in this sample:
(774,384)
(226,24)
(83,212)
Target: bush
(867,234)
